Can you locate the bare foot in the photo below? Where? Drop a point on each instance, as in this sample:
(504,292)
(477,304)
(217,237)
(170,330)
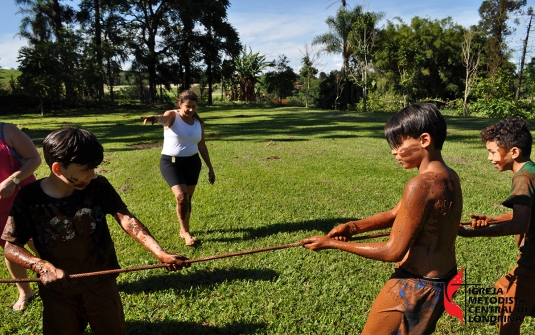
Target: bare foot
(190,239)
(23,301)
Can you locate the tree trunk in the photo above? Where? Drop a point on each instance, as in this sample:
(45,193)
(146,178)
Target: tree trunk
(522,61)
(98,44)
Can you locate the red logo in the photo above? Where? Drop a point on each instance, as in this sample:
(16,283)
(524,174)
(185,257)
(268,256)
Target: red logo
(451,307)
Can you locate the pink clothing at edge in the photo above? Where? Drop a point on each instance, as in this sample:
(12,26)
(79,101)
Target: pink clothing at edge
(8,165)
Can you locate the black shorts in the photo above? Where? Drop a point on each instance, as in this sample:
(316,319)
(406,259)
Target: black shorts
(184,170)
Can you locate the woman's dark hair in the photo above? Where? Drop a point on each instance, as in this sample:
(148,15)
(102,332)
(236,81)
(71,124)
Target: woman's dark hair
(189,95)
(72,145)
(509,133)
(413,121)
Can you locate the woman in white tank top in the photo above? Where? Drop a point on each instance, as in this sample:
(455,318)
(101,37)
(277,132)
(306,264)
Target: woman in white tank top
(180,163)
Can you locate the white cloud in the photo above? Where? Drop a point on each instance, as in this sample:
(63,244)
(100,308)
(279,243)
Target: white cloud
(9,50)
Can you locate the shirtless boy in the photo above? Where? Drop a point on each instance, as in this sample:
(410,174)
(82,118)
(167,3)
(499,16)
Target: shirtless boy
(509,143)
(424,228)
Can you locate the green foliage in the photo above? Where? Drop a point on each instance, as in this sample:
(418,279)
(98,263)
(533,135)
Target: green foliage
(502,108)
(280,82)
(423,58)
(376,102)
(248,67)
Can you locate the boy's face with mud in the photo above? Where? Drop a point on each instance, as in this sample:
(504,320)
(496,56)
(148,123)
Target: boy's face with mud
(75,175)
(499,157)
(410,153)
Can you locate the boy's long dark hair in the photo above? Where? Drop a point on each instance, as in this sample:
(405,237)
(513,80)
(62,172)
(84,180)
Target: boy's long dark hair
(509,133)
(72,145)
(413,121)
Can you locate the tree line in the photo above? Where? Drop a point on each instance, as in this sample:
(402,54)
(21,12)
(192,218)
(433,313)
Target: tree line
(467,68)
(78,54)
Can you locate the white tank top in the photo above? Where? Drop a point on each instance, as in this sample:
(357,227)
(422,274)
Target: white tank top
(181,139)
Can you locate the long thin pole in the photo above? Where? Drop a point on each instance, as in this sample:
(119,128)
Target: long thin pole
(190,261)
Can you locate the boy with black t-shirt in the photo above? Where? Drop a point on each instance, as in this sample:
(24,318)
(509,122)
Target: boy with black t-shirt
(65,214)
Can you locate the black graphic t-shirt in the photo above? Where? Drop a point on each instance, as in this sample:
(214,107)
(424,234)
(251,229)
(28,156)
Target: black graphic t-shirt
(71,232)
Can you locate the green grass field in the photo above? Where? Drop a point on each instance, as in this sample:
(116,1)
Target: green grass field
(283,174)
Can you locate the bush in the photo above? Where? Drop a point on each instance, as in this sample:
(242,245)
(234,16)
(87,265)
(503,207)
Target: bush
(377,102)
(502,108)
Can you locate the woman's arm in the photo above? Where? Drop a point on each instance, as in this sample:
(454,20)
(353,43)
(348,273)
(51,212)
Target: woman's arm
(165,120)
(23,145)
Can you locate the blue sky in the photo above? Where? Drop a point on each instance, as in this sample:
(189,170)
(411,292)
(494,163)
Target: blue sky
(276,27)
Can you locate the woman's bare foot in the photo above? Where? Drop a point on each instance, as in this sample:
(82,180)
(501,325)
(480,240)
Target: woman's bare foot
(23,301)
(190,239)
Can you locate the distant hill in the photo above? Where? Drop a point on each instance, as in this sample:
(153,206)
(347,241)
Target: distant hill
(5,75)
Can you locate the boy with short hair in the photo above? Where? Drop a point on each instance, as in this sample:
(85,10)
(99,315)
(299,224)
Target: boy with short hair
(424,228)
(65,214)
(509,144)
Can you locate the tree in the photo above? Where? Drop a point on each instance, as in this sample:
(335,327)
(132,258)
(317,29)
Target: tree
(249,66)
(421,60)
(219,39)
(471,58)
(336,41)
(44,22)
(310,56)
(281,81)
(41,72)
(494,16)
(362,40)
(523,57)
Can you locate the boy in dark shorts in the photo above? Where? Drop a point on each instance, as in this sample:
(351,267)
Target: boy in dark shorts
(65,214)
(424,228)
(509,145)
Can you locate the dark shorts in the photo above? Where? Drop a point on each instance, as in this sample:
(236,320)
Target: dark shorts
(69,314)
(184,170)
(407,305)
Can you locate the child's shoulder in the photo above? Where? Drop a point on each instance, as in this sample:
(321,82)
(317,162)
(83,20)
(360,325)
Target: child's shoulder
(426,180)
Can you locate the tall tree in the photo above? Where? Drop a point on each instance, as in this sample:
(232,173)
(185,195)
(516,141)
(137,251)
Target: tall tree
(45,21)
(471,59)
(219,39)
(281,81)
(523,57)
(363,42)
(494,21)
(336,41)
(308,71)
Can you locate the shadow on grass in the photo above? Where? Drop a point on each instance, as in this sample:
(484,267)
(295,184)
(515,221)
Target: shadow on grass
(185,281)
(322,225)
(191,328)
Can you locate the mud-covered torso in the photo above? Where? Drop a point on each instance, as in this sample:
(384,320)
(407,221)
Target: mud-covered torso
(432,253)
(71,232)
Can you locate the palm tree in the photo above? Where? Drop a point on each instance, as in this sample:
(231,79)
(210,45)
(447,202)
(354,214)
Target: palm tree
(36,24)
(337,39)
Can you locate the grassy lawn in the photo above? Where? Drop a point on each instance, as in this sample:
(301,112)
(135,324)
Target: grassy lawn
(282,174)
